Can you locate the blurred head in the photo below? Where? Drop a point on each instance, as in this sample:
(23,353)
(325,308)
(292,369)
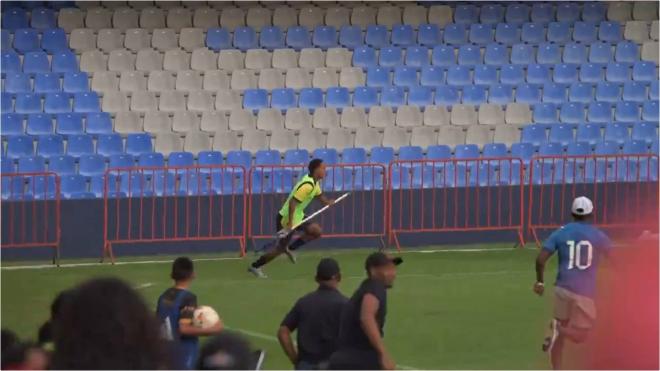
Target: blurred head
(182,269)
(582,208)
(382,267)
(23,356)
(226,351)
(327,272)
(105,324)
(316,168)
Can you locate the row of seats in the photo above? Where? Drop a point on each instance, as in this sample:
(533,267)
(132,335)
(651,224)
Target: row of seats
(308,15)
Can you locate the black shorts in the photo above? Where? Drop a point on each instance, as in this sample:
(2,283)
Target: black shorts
(352,359)
(278,224)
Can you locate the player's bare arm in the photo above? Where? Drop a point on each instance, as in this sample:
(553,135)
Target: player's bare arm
(541,259)
(370,326)
(284,337)
(188,329)
(324,200)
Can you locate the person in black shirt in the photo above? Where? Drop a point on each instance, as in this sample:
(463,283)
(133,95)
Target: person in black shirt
(360,344)
(316,317)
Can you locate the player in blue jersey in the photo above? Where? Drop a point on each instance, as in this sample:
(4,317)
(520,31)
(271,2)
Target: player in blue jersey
(580,247)
(175,310)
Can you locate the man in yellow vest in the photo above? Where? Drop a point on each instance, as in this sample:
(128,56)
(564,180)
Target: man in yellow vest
(291,215)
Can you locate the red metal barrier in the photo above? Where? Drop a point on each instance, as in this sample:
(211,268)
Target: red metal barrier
(623,188)
(447,196)
(169,204)
(363,214)
(31,211)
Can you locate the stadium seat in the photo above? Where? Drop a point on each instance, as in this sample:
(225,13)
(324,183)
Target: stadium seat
(644,71)
(69,123)
(538,74)
(616,133)
(298,37)
(554,93)
(17,83)
(507,34)
(74,186)
(39,124)
(559,32)
(382,155)
(121,160)
(36,62)
(417,56)
(54,40)
(64,61)
(271,38)
(26,40)
(310,98)
(86,102)
(364,57)
(496,54)
(653,90)
(365,97)
(599,112)
(393,96)
(91,165)
(12,124)
(10,62)
(446,95)
(455,34)
(617,72)
(584,32)
(524,151)
(600,52)
(428,35)
(626,52)
(443,56)
(588,133)
(420,96)
(328,155)
(626,112)
(528,93)
(405,76)
(255,99)
(608,92)
(324,37)
(548,53)
(350,36)
(296,157)
(522,54)
(19,146)
(634,91)
(50,145)
(650,111)
(512,75)
(75,82)
(79,145)
(466,14)
(57,103)
(62,165)
(459,76)
(533,134)
(376,36)
(562,134)
(572,113)
(474,94)
(378,77)
(391,56)
(481,34)
(591,72)
(565,73)
(218,39)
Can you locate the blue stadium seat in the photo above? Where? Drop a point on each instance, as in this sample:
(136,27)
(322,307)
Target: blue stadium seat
(96,185)
(428,35)
(325,37)
(5,44)
(137,144)
(617,72)
(364,56)
(255,99)
(403,35)
(533,134)
(245,38)
(74,186)
(382,155)
(354,156)
(267,157)
(393,96)
(485,75)
(507,34)
(653,90)
(594,11)
(39,124)
(446,95)
(54,40)
(522,54)
(365,97)
(572,113)
(496,55)
(548,53)
(47,83)
(588,133)
(26,40)
(634,91)
(150,159)
(36,62)
(645,132)
(98,123)
(10,62)
(41,187)
(591,72)
(64,61)
(500,94)
(43,18)
(62,165)
(164,184)
(459,76)
(551,149)
(86,102)
(559,32)
(311,98)
(528,93)
(12,124)
(122,160)
(585,32)
(654,147)
(50,145)
(554,93)
(524,151)
(578,149)
(565,73)
(75,82)
(466,14)
(607,148)
(297,157)
(14,18)
(57,103)
(80,144)
(420,96)
(455,34)
(600,52)
(626,112)
(481,34)
(644,71)
(17,83)
(337,97)
(271,37)
(466,151)
(599,112)
(283,98)
(581,92)
(109,144)
(138,185)
(350,36)
(405,76)
(20,146)
(634,147)
(608,92)
(474,94)
(417,56)
(438,152)
(432,76)
(469,55)
(7,103)
(218,39)
(390,56)
(517,13)
(90,165)
(328,155)
(495,150)
(627,52)
(617,133)
(609,31)
(538,74)
(13,188)
(575,53)
(378,77)
(443,55)
(512,75)
(491,13)
(545,113)
(209,158)
(376,36)
(650,111)
(298,37)
(562,134)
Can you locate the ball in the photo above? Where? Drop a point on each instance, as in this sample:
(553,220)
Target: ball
(205,317)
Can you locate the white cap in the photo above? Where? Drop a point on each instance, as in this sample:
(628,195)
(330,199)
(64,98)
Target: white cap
(582,206)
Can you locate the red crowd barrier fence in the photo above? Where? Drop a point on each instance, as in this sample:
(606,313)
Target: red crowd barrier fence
(169,204)
(623,188)
(363,214)
(444,196)
(31,211)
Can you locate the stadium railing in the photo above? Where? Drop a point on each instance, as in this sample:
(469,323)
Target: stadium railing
(362,215)
(31,211)
(623,188)
(447,195)
(170,204)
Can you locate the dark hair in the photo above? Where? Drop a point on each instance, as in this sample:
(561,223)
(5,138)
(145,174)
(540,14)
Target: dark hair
(313,165)
(182,269)
(105,324)
(227,351)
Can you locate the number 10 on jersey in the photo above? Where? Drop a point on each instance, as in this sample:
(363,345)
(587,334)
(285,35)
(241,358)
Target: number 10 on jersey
(575,254)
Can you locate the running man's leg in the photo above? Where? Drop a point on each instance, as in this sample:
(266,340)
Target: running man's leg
(311,232)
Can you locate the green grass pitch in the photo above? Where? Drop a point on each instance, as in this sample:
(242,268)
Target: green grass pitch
(448,309)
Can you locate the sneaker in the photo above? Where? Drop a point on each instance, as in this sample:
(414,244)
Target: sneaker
(291,255)
(257,272)
(549,341)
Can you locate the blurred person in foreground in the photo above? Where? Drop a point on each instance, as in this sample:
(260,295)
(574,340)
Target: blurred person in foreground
(360,345)
(229,351)
(580,247)
(316,318)
(105,324)
(175,309)
(17,355)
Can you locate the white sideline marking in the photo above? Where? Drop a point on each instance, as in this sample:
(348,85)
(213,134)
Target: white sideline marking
(143,286)
(74,265)
(259,335)
(460,250)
